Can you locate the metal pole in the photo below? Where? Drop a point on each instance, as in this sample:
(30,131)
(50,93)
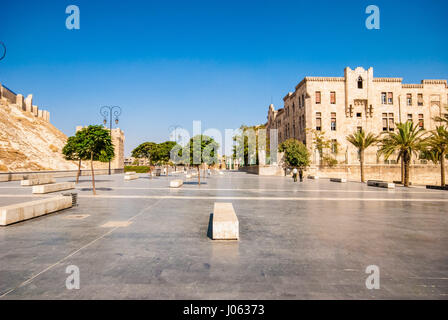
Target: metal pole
(110,132)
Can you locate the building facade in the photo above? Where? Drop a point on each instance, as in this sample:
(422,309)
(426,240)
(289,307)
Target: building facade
(338,106)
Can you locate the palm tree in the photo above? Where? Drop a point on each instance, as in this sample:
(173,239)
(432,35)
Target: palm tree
(436,149)
(362,141)
(407,140)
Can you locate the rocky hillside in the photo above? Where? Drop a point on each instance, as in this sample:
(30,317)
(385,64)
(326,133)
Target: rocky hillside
(28,143)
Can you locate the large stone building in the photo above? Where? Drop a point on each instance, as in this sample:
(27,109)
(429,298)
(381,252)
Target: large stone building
(338,106)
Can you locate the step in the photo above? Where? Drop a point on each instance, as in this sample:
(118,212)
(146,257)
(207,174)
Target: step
(38,181)
(54,187)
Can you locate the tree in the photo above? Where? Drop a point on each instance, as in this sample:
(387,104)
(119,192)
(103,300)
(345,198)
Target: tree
(407,140)
(247,144)
(200,149)
(436,149)
(73,151)
(163,152)
(322,145)
(146,150)
(95,145)
(361,141)
(296,154)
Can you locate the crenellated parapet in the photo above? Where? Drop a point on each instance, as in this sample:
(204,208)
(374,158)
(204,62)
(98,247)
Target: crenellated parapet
(22,103)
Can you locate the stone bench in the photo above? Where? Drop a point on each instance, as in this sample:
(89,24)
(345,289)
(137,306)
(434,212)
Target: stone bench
(176,183)
(48,188)
(38,181)
(313,177)
(4,177)
(341,180)
(225,223)
(381,184)
(188,176)
(133,176)
(28,210)
(131,172)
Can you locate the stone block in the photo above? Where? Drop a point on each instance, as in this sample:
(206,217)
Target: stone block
(4,177)
(129,177)
(341,180)
(188,176)
(381,184)
(54,187)
(38,181)
(176,183)
(313,177)
(225,222)
(28,210)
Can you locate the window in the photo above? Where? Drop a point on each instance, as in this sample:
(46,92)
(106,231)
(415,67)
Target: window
(385,127)
(303,100)
(318,121)
(390,98)
(294,130)
(391,122)
(421,121)
(318,97)
(359,115)
(420,99)
(300,102)
(359,129)
(333,121)
(409,99)
(333,97)
(383,98)
(293,108)
(410,117)
(360,83)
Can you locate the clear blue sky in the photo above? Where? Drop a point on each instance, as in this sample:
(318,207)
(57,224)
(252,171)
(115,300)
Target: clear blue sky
(222,62)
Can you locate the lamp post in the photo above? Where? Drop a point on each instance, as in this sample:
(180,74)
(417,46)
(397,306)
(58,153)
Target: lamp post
(109,111)
(4,50)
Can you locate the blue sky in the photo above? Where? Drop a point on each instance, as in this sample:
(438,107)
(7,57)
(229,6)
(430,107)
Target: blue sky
(222,62)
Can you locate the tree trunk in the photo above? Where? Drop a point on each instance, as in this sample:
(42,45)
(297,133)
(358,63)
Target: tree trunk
(402,171)
(406,172)
(150,170)
(199,176)
(361,164)
(79,171)
(442,169)
(167,167)
(93,173)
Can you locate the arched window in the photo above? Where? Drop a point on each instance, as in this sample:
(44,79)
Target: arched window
(360,83)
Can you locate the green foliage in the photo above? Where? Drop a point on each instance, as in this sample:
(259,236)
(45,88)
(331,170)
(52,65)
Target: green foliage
(361,140)
(95,144)
(146,150)
(137,169)
(328,160)
(436,146)
(406,141)
(296,153)
(163,151)
(247,144)
(200,149)
(72,149)
(321,143)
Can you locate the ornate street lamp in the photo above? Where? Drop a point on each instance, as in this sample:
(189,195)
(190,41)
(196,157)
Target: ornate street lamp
(110,111)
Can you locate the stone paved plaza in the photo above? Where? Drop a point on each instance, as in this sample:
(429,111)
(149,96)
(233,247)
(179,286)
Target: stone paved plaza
(311,240)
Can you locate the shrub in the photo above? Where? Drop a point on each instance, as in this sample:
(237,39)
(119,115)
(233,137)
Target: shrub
(137,169)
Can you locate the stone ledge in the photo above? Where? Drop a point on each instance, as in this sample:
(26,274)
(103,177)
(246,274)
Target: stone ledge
(48,188)
(340,180)
(176,183)
(37,181)
(381,184)
(313,177)
(225,222)
(131,177)
(28,210)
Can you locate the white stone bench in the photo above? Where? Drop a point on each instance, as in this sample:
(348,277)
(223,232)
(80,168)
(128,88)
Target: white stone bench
(225,222)
(38,181)
(341,180)
(27,210)
(188,176)
(131,172)
(131,177)
(313,177)
(47,188)
(176,183)
(381,184)
(4,177)
(220,172)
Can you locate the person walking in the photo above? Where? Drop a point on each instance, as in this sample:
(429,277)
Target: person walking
(294,174)
(301,174)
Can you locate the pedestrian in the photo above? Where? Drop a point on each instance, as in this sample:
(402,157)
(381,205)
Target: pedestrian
(301,174)
(294,174)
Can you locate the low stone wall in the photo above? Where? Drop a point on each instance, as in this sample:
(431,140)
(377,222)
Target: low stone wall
(422,174)
(17,176)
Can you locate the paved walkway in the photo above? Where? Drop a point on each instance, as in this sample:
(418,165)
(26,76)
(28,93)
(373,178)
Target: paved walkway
(311,240)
